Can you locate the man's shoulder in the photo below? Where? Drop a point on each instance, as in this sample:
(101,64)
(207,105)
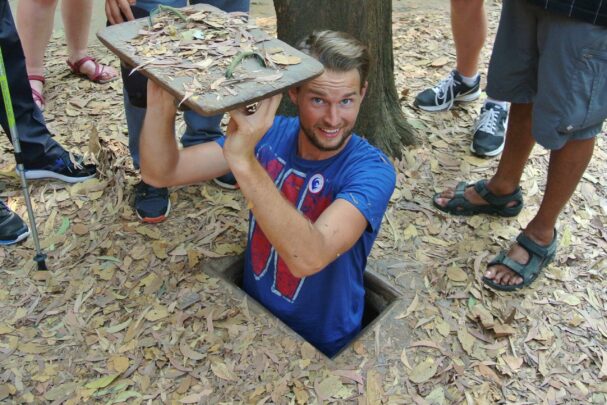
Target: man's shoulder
(363,151)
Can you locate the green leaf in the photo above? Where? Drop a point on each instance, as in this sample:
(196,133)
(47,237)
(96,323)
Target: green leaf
(125,396)
(415,123)
(65,224)
(102,382)
(109,258)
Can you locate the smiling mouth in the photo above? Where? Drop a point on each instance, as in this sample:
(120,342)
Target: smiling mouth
(330,133)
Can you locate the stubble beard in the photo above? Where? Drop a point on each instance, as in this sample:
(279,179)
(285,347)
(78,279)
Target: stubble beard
(314,140)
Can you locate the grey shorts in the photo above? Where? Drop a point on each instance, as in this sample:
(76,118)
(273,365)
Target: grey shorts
(557,63)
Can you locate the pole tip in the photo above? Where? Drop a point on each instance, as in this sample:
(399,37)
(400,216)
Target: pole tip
(40,261)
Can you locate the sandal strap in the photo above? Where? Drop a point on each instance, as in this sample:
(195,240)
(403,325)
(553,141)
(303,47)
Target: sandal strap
(528,271)
(481,188)
(36,78)
(535,248)
(99,68)
(460,189)
(503,259)
(539,256)
(78,64)
(37,96)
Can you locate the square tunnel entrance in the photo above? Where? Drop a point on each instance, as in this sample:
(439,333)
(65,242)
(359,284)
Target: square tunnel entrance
(380,296)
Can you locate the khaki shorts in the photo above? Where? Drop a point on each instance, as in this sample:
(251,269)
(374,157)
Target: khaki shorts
(557,63)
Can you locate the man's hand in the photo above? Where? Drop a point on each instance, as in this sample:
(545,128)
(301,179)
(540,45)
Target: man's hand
(115,9)
(245,130)
(160,101)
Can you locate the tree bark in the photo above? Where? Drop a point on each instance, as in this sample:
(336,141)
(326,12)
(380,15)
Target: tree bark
(381,119)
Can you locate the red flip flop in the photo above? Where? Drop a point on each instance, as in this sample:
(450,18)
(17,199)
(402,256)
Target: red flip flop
(36,95)
(96,77)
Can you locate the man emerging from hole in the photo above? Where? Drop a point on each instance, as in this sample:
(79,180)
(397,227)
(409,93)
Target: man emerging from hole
(318,192)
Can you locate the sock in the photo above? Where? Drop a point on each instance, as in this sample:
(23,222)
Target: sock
(469,80)
(503,104)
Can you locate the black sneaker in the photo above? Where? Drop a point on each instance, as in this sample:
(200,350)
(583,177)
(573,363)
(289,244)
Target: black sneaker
(490,131)
(63,169)
(12,228)
(447,92)
(226,181)
(152,204)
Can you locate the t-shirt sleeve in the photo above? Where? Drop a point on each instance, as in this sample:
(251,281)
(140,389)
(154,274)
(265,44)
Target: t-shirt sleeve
(369,186)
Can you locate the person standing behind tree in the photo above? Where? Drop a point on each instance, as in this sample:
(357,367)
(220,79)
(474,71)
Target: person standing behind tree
(469,27)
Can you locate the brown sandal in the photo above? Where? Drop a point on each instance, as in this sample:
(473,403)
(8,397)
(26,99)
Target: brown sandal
(36,95)
(96,77)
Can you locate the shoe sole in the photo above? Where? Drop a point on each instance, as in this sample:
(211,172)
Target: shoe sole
(226,185)
(47,174)
(155,220)
(444,107)
(492,153)
(19,239)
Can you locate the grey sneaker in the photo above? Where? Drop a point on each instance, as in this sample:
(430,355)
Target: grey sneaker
(447,92)
(490,131)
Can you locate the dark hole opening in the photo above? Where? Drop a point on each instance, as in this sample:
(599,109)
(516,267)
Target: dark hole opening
(379,294)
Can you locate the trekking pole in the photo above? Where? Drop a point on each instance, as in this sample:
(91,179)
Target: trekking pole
(10,115)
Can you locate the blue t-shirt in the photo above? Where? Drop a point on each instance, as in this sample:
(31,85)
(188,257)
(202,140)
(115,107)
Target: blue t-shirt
(327,307)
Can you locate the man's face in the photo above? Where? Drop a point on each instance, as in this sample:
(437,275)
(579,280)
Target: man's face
(328,107)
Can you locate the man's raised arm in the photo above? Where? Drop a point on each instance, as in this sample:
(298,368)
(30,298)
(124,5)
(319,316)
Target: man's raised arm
(306,248)
(162,163)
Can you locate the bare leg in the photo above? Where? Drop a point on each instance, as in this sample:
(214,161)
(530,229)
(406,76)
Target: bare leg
(567,165)
(35,23)
(519,143)
(77,21)
(469,27)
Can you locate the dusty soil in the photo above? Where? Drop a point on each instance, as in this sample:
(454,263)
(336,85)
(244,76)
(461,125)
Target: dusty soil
(126,315)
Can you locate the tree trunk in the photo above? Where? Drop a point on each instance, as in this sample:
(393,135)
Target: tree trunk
(381,120)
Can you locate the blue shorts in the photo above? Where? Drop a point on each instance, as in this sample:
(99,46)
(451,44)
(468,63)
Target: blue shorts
(557,63)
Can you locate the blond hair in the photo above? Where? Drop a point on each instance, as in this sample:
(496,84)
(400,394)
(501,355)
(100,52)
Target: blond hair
(337,51)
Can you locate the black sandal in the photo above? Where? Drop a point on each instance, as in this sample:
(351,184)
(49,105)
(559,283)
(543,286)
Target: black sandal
(539,257)
(498,205)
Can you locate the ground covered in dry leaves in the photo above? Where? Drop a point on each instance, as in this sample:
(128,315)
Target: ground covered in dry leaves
(126,315)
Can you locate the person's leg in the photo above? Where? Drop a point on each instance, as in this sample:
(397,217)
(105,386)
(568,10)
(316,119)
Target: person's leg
(201,129)
(469,27)
(35,21)
(36,142)
(519,143)
(566,167)
(41,156)
(77,16)
(151,204)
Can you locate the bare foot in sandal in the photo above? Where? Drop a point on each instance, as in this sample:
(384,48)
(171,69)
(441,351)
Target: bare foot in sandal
(472,199)
(37,85)
(500,272)
(470,194)
(92,70)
